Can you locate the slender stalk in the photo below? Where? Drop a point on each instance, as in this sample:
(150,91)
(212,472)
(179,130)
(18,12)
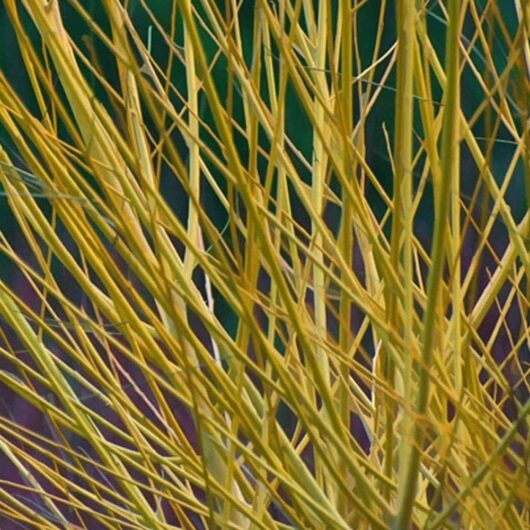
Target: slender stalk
(410,463)
(401,309)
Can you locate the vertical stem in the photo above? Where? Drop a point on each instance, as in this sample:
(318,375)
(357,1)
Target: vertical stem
(402,222)
(410,463)
(346,239)
(320,164)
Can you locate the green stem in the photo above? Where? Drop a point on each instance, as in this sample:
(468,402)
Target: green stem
(411,457)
